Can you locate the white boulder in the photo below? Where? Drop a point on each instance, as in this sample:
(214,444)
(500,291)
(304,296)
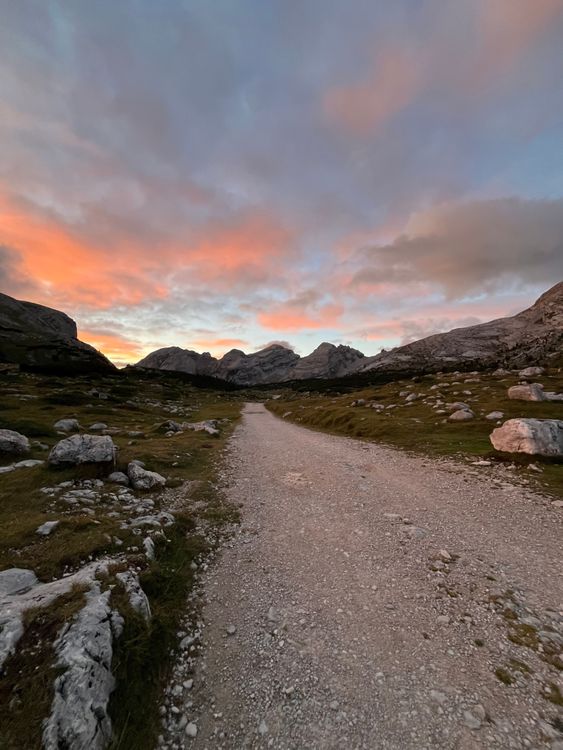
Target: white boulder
(98,426)
(67,425)
(542,437)
(530,392)
(462,415)
(83,449)
(46,528)
(141,479)
(210,425)
(531,372)
(13,442)
(494,415)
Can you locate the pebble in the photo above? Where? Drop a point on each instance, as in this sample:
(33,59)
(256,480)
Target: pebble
(471,720)
(191,729)
(231,630)
(262,728)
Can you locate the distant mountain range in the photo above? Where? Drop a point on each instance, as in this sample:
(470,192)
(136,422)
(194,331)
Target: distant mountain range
(37,336)
(531,336)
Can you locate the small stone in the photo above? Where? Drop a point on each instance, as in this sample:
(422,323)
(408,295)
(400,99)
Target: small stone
(46,528)
(438,697)
(334,705)
(262,728)
(231,630)
(191,729)
(471,720)
(443,620)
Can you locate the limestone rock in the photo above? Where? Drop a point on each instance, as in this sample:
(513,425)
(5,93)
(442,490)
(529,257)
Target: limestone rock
(461,415)
(531,372)
(141,479)
(13,442)
(542,437)
(67,425)
(530,392)
(494,415)
(79,717)
(16,580)
(83,449)
(119,477)
(42,338)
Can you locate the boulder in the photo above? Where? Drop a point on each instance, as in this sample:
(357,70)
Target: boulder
(462,415)
(531,372)
(494,415)
(83,449)
(542,437)
(457,405)
(119,477)
(98,426)
(208,425)
(13,442)
(530,392)
(16,581)
(67,425)
(141,479)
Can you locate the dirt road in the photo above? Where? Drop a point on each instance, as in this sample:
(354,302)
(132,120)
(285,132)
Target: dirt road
(373,599)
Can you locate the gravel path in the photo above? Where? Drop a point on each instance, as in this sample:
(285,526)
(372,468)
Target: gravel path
(369,597)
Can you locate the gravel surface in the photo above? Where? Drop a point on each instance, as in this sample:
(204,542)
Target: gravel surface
(374,599)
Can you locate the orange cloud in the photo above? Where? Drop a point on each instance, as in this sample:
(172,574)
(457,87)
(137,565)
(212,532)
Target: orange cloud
(365,107)
(508,28)
(118,349)
(65,267)
(289,318)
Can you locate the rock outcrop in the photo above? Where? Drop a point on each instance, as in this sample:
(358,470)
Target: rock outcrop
(531,336)
(42,338)
(274,364)
(542,437)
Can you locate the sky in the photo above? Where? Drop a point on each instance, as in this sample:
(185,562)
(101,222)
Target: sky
(218,174)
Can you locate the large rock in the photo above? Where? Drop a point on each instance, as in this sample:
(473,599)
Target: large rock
(542,437)
(141,479)
(79,715)
(41,338)
(461,415)
(530,392)
(13,442)
(530,336)
(83,449)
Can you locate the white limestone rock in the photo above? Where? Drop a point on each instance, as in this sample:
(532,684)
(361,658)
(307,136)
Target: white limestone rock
(531,372)
(13,442)
(462,415)
(141,479)
(67,425)
(542,437)
(83,449)
(79,717)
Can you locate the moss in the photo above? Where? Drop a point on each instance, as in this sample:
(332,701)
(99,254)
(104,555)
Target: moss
(553,694)
(504,676)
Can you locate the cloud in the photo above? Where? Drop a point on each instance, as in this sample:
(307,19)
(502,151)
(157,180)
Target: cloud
(472,248)
(275,342)
(366,106)
(119,349)
(293,317)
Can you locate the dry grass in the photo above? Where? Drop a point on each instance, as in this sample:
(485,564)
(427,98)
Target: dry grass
(417,427)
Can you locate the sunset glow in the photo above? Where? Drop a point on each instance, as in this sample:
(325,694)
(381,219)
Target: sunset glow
(233,173)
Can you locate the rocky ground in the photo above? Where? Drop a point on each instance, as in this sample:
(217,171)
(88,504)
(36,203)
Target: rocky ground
(373,599)
(107,498)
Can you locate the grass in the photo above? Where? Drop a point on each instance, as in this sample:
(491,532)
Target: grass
(142,654)
(417,427)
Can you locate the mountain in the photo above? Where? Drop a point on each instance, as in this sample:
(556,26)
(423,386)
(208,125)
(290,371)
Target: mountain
(274,364)
(42,338)
(530,337)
